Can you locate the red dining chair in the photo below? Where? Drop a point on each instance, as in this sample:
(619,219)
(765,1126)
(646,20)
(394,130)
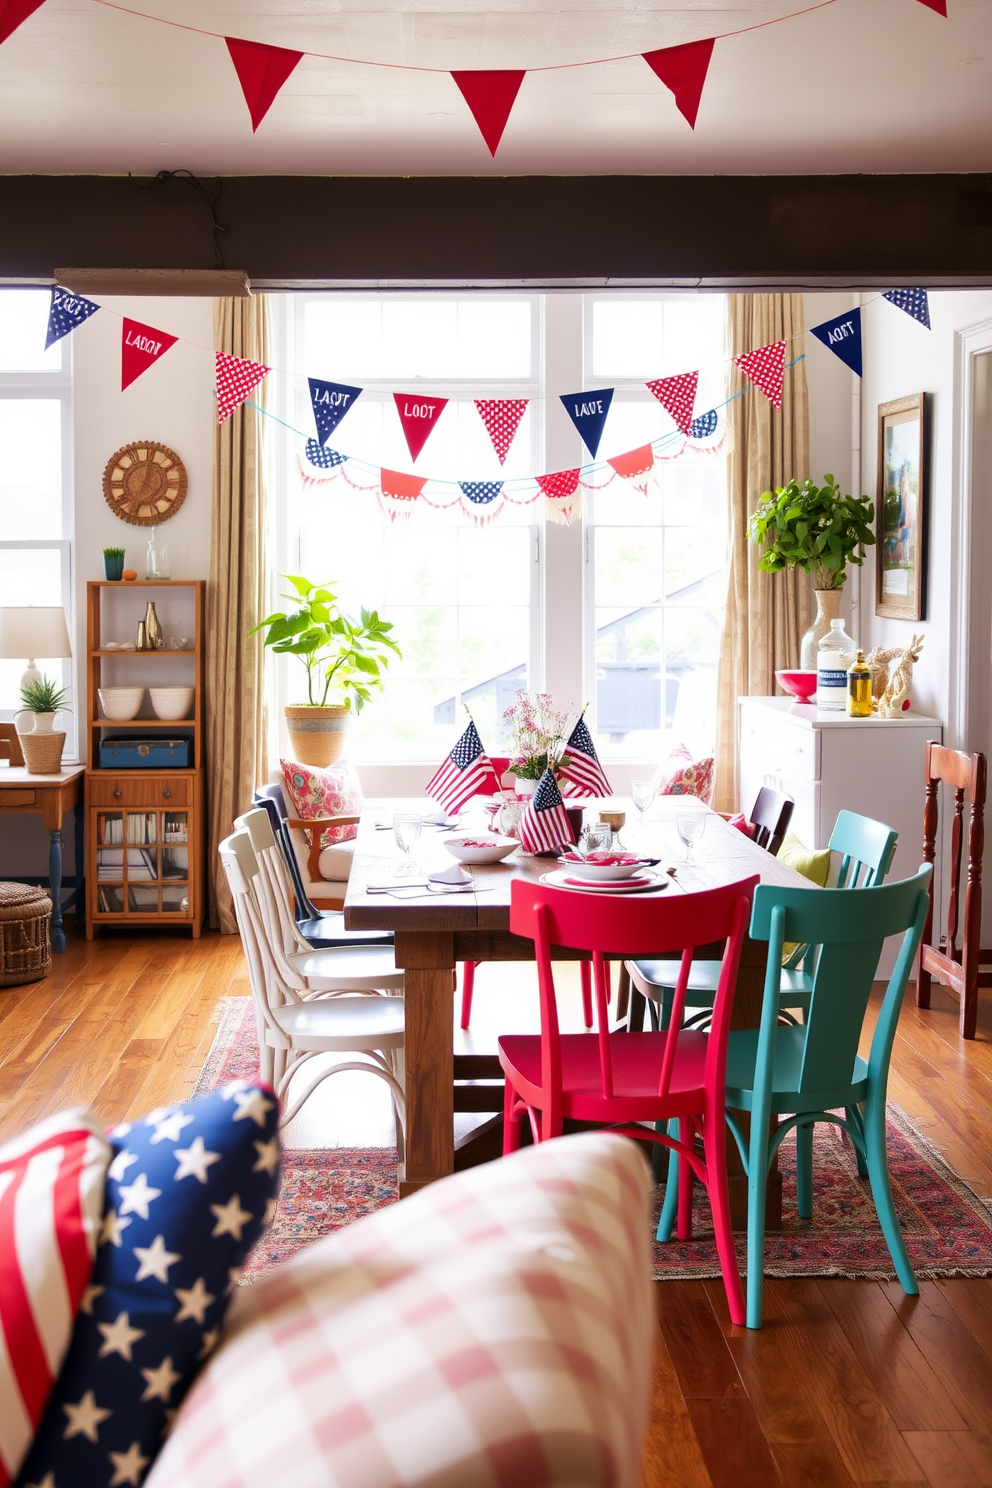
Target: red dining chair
(620,1079)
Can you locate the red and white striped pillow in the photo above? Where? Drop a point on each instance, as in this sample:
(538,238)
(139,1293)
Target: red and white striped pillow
(51,1197)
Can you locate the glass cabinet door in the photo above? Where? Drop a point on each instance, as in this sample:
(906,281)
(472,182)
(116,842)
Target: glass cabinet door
(142,862)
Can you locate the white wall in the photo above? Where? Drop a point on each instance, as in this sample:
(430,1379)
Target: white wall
(173,403)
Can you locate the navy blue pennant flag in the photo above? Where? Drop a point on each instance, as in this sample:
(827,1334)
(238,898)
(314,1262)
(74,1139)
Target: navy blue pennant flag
(324,459)
(588,413)
(481,493)
(842,336)
(331,401)
(915,302)
(703,426)
(66,313)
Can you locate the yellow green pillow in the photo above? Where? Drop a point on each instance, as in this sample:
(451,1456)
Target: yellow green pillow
(812,864)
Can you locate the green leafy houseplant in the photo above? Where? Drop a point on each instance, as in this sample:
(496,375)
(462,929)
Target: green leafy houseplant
(44,697)
(343,658)
(815,528)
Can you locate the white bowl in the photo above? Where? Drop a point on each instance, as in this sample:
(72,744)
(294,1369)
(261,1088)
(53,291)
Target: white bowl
(600,872)
(171,702)
(491,852)
(121,703)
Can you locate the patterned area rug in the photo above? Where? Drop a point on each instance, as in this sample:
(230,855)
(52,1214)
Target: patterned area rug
(948,1228)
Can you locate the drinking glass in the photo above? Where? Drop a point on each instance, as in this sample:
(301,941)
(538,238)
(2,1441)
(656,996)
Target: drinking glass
(642,794)
(689,825)
(596,836)
(406,830)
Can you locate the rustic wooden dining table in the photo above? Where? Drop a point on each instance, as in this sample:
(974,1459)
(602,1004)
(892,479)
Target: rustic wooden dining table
(434,932)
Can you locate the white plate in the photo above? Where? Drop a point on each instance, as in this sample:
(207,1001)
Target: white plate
(557,880)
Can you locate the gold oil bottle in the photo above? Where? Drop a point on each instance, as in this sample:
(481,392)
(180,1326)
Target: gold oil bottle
(859,688)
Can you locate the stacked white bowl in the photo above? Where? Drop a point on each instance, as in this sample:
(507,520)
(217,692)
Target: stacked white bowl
(171,702)
(121,703)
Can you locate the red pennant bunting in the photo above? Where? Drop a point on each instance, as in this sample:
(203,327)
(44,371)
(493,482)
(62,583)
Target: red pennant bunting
(398,486)
(490,96)
(677,395)
(236,380)
(633,462)
(418,415)
(940,6)
(683,69)
(140,346)
(766,369)
(501,417)
(13,12)
(261,70)
(560,484)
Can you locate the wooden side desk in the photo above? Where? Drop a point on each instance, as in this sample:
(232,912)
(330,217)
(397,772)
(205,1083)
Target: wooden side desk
(51,796)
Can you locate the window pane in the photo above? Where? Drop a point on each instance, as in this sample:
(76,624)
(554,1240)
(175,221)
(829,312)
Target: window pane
(426,338)
(23,323)
(31,468)
(29,576)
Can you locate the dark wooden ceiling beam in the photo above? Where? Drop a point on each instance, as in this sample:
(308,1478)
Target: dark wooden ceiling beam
(706,231)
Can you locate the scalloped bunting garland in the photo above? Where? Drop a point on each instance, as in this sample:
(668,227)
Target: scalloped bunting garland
(765,367)
(677,396)
(501,417)
(563,495)
(704,425)
(481,500)
(398,492)
(317,457)
(635,467)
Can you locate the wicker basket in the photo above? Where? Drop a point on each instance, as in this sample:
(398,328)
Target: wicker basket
(43,752)
(25,945)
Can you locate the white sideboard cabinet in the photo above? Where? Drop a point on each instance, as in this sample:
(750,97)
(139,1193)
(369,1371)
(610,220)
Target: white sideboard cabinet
(828,762)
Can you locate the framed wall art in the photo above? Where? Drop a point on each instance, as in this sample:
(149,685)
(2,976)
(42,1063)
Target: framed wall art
(901,509)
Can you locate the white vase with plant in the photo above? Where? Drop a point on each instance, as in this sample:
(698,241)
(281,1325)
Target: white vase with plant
(40,701)
(344,660)
(819,530)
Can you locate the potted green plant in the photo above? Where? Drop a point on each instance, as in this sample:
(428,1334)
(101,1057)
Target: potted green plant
(819,530)
(344,660)
(42,700)
(113,563)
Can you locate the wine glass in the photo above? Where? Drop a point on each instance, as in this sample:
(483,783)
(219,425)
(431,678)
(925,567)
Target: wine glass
(595,836)
(642,794)
(689,825)
(406,830)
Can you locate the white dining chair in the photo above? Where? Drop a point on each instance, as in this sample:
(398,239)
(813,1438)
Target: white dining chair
(348,1013)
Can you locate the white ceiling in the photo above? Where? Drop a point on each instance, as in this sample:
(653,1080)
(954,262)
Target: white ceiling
(859,86)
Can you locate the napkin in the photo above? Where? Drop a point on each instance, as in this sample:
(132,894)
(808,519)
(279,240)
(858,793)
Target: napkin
(440,819)
(455,875)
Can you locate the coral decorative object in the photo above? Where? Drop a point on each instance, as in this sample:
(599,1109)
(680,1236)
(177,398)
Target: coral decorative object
(895,700)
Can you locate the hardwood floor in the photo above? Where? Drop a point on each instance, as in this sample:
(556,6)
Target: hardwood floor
(848,1385)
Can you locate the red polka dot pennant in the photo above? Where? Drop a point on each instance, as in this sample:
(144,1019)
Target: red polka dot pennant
(237,379)
(563,494)
(501,417)
(677,395)
(766,369)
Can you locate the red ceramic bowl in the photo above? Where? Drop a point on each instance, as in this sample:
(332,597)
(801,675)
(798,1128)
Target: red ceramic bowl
(801,685)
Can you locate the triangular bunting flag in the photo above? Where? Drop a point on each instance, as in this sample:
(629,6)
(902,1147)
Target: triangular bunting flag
(915,302)
(588,413)
(842,335)
(261,70)
(677,396)
(683,69)
(765,367)
(140,346)
(490,96)
(703,426)
(237,379)
(940,6)
(418,415)
(13,12)
(634,466)
(501,417)
(67,311)
(331,401)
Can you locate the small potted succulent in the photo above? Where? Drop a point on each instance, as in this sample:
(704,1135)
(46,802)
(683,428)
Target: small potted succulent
(113,564)
(344,659)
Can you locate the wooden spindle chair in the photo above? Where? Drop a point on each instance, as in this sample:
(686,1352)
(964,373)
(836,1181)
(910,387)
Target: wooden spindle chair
(962,966)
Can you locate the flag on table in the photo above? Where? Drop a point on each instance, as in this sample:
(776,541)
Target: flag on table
(465,773)
(545,824)
(579,769)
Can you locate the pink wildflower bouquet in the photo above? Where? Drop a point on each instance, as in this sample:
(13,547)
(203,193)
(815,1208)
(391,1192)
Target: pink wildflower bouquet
(535,734)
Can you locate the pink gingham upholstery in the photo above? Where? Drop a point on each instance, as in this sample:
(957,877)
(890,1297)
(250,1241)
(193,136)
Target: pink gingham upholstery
(494,1329)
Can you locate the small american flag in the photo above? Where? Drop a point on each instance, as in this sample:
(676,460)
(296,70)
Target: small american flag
(545,824)
(466,772)
(581,772)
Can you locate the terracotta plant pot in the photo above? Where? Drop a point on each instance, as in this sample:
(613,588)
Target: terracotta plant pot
(317,735)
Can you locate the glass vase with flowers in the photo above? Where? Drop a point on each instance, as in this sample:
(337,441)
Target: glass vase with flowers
(535,737)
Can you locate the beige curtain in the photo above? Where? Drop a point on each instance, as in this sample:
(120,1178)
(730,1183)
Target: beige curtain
(766,613)
(236,757)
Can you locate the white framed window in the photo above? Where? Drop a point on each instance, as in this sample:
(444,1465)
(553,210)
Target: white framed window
(622,610)
(35,480)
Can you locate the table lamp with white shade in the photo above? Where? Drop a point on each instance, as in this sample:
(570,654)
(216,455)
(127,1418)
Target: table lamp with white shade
(27,631)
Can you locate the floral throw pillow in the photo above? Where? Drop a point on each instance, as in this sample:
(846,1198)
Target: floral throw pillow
(681,775)
(314,793)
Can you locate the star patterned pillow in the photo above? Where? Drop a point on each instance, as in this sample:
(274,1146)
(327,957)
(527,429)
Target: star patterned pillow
(189,1190)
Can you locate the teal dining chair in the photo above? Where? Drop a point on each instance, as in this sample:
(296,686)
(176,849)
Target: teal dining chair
(807,1072)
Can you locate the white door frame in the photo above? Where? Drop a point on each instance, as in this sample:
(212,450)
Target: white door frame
(971,534)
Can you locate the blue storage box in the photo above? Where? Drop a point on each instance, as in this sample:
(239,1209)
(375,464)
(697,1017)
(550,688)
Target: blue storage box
(117,753)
